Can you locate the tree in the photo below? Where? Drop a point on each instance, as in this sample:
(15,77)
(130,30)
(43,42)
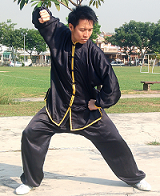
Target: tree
(57,3)
(35,42)
(155,40)
(7,33)
(19,41)
(96,31)
(14,39)
(9,37)
(134,34)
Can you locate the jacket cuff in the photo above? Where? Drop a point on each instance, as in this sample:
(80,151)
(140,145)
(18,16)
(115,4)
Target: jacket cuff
(97,106)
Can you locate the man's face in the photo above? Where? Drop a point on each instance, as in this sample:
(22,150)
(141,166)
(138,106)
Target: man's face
(82,32)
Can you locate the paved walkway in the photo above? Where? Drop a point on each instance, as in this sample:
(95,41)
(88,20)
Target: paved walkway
(74,167)
(123,96)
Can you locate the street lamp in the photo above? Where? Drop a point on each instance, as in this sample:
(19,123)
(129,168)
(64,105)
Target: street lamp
(24,48)
(24,45)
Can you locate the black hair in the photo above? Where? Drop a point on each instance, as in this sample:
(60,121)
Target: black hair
(81,12)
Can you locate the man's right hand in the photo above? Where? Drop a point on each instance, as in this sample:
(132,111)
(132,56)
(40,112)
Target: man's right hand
(44,16)
(91,105)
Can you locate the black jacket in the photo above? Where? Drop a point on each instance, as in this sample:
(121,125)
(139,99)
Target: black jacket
(74,76)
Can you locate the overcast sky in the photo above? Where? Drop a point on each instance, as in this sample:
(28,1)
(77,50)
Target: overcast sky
(112,14)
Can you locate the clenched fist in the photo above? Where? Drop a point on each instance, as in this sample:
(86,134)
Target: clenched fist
(44,16)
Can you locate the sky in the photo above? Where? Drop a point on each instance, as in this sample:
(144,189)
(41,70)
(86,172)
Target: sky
(111,14)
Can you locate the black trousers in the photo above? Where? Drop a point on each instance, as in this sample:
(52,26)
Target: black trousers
(103,134)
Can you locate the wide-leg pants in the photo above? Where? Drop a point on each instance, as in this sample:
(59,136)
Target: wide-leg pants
(103,134)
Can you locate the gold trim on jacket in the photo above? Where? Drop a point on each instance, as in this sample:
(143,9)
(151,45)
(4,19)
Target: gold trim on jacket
(72,100)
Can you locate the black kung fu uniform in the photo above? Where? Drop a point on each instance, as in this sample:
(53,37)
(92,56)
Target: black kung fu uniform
(76,69)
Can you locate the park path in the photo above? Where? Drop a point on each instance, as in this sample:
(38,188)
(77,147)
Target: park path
(123,96)
(74,167)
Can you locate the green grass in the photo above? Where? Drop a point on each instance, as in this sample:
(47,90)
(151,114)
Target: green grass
(34,81)
(21,109)
(130,78)
(24,81)
(18,82)
(6,99)
(155,143)
(136,105)
(123,106)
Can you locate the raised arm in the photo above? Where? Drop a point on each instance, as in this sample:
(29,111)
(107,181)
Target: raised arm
(48,25)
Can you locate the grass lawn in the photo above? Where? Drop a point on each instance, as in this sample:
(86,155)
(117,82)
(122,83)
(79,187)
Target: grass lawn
(136,105)
(18,82)
(130,78)
(21,109)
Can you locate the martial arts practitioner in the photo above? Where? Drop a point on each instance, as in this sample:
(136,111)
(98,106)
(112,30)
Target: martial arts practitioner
(73,105)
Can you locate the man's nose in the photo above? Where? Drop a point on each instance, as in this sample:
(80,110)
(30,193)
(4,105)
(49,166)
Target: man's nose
(86,34)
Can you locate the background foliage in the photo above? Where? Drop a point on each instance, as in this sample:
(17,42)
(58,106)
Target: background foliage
(143,35)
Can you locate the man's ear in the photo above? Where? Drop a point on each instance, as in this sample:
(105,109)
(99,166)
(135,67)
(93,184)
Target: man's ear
(71,27)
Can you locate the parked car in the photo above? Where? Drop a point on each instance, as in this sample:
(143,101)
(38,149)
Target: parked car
(117,63)
(16,64)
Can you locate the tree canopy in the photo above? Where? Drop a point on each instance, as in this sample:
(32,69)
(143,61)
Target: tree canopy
(7,34)
(143,35)
(155,40)
(57,3)
(96,31)
(14,38)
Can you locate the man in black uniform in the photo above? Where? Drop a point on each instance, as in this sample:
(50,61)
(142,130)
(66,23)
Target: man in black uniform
(73,105)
